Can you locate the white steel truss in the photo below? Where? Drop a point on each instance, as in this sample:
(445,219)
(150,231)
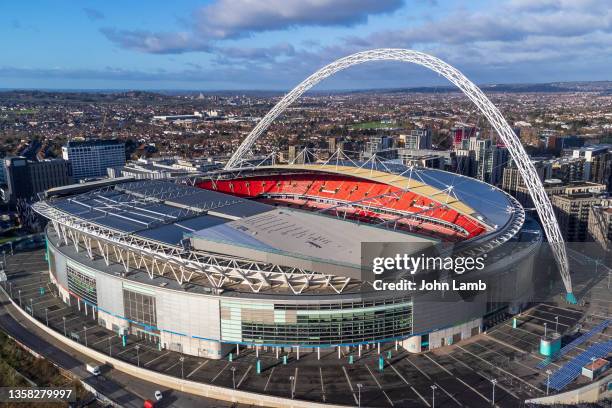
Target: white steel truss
(156,258)
(490,111)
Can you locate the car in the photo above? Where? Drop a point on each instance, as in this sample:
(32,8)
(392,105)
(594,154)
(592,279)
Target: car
(158,395)
(93,368)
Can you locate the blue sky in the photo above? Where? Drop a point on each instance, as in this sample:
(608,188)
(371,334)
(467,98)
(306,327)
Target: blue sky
(274,44)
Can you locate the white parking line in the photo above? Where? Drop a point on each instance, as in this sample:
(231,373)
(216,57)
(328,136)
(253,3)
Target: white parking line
(172,366)
(268,382)
(379,386)
(419,370)
(463,382)
(410,385)
(484,377)
(10,264)
(219,373)
(503,343)
(546,320)
(501,369)
(44,301)
(322,386)
(71,319)
(156,358)
(504,356)
(104,339)
(127,349)
(22,286)
(560,308)
(350,385)
(58,310)
(197,368)
(244,376)
(438,384)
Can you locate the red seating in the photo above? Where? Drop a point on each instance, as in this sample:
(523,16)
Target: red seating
(374,199)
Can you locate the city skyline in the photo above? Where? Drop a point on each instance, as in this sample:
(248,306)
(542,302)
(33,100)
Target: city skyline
(222,45)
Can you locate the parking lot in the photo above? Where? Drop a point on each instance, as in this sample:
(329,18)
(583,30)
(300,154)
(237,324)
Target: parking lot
(502,361)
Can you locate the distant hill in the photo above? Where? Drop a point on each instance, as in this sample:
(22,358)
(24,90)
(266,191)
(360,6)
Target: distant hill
(117,94)
(577,86)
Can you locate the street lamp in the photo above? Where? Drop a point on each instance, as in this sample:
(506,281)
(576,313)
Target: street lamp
(593,368)
(85,334)
(548,373)
(64,319)
(181,359)
(359,385)
(557,324)
(545,324)
(433,395)
(291,379)
(234,376)
(20,298)
(47,315)
(137,354)
(32,307)
(109,346)
(493,381)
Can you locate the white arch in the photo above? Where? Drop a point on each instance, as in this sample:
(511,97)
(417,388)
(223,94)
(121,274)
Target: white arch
(495,118)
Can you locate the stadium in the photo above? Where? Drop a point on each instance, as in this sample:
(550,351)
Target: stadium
(269,255)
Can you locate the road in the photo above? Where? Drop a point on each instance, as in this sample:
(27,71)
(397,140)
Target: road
(124,389)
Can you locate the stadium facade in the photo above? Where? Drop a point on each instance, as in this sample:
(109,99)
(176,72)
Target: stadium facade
(270,255)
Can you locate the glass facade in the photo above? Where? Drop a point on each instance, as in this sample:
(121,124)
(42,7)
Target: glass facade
(140,307)
(51,261)
(82,283)
(316,324)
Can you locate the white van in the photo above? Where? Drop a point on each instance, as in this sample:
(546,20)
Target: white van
(93,368)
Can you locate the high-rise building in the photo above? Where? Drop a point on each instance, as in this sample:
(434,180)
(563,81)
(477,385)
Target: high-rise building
(512,179)
(465,162)
(600,226)
(418,139)
(597,166)
(568,169)
(300,154)
(91,158)
(381,146)
(573,205)
(331,145)
(25,178)
(434,159)
(293,152)
(489,160)
(378,143)
(461,136)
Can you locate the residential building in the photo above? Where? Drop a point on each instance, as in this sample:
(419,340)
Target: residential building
(91,158)
(418,139)
(464,162)
(489,160)
(597,165)
(573,205)
(378,143)
(512,179)
(600,226)
(331,145)
(425,158)
(25,178)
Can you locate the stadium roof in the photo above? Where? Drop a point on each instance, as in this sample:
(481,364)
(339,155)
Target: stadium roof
(157,210)
(300,239)
(476,199)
